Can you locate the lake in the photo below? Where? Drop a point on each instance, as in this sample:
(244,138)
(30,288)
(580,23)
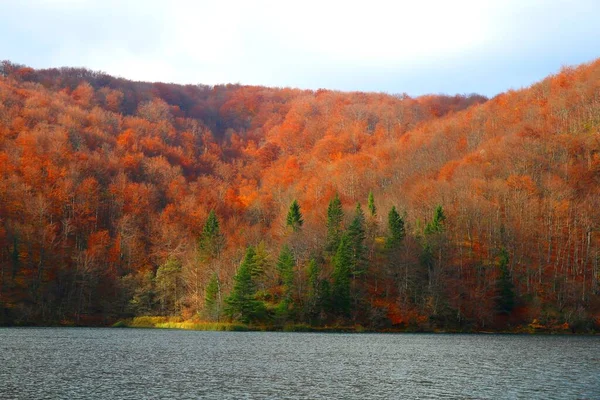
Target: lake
(97,363)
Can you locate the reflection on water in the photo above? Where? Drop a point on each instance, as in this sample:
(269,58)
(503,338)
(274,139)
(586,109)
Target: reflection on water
(82,363)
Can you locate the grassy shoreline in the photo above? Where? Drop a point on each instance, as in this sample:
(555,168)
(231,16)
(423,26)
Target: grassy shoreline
(156,322)
(176,323)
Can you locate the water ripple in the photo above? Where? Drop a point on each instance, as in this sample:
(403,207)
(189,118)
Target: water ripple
(81,363)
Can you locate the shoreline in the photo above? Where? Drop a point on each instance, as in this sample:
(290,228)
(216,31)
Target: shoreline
(165,323)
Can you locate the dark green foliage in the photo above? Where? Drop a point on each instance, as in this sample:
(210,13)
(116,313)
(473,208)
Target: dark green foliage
(294,217)
(357,236)
(314,272)
(396,228)
(326,297)
(505,299)
(211,298)
(335,217)
(211,241)
(241,303)
(427,257)
(262,260)
(371,204)
(342,262)
(433,243)
(285,267)
(437,224)
(318,293)
(312,296)
(143,296)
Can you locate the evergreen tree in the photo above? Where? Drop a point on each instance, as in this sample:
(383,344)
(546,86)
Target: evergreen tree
(313,275)
(437,224)
(294,217)
(326,301)
(505,299)
(371,204)
(211,240)
(241,303)
(314,285)
(433,244)
(211,298)
(210,245)
(335,216)
(397,231)
(262,260)
(357,236)
(285,267)
(371,226)
(427,259)
(342,263)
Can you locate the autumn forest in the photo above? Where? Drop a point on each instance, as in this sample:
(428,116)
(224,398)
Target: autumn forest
(278,207)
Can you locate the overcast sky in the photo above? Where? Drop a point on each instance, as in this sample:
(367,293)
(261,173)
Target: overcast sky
(417,47)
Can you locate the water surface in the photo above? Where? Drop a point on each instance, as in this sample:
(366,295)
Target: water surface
(93,363)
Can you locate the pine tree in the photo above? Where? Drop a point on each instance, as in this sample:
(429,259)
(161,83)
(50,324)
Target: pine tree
(211,299)
(314,285)
(294,217)
(210,245)
(371,204)
(241,303)
(285,267)
(357,236)
(262,260)
(433,244)
(342,263)
(505,299)
(211,240)
(437,224)
(335,216)
(397,231)
(326,299)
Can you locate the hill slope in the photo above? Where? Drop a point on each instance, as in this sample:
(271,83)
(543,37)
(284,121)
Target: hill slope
(106,187)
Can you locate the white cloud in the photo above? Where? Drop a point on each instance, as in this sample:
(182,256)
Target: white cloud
(312,43)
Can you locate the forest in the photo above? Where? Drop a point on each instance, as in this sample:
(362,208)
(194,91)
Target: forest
(278,207)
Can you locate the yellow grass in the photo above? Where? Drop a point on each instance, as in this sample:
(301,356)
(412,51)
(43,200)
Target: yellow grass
(202,326)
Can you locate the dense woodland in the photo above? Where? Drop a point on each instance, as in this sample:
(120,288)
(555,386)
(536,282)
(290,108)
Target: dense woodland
(275,206)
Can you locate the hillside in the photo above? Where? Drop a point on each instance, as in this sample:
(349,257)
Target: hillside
(121,199)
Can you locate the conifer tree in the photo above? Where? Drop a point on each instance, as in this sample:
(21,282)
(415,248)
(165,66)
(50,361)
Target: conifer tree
(313,300)
(210,245)
(433,243)
(241,303)
(313,275)
(211,240)
(335,216)
(342,263)
(262,262)
(285,267)
(357,236)
(397,231)
(437,224)
(371,204)
(294,217)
